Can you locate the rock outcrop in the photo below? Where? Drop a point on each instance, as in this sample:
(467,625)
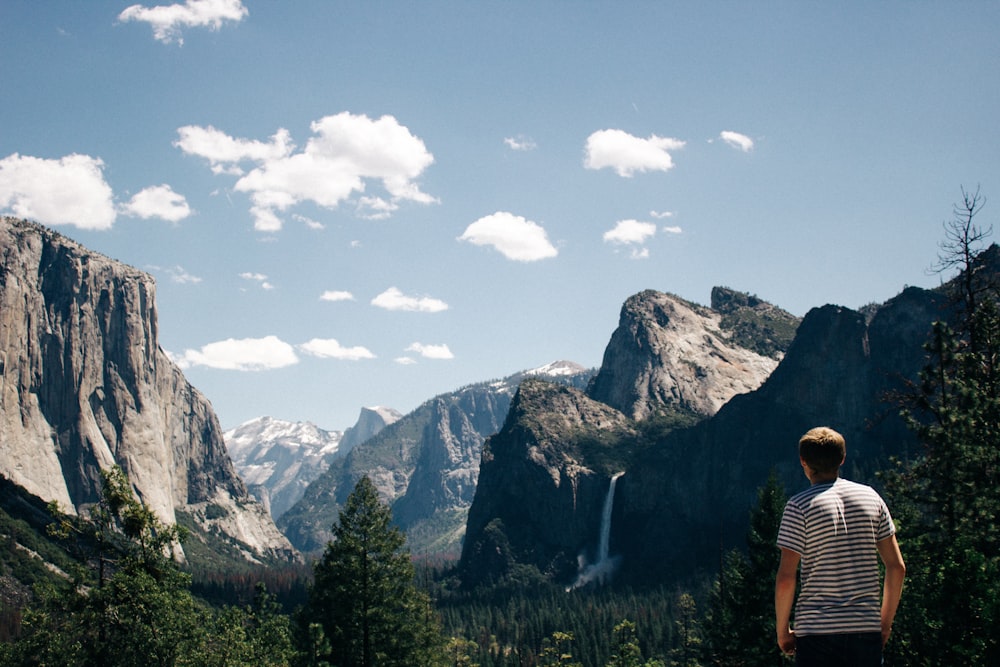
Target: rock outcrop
(668,353)
(543,479)
(84,385)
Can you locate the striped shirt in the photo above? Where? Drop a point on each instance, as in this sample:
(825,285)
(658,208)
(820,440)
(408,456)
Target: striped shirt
(834,527)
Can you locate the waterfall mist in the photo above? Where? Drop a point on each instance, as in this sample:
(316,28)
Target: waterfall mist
(604,567)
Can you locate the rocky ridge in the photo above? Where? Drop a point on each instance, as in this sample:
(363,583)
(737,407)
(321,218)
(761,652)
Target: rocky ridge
(668,354)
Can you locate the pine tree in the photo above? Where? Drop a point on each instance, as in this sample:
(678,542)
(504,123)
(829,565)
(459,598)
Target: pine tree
(364,597)
(947,500)
(740,629)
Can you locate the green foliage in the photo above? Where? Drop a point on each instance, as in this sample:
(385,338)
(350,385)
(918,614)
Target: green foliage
(364,598)
(133,607)
(753,323)
(947,501)
(627,652)
(513,624)
(739,630)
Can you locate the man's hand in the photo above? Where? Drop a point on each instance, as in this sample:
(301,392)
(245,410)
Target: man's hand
(786,642)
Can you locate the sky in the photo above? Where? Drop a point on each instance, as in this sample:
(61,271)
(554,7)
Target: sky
(351,204)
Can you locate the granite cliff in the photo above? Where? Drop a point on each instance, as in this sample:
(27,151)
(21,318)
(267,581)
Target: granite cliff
(670,354)
(84,385)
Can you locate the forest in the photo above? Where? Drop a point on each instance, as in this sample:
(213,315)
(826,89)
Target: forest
(121,598)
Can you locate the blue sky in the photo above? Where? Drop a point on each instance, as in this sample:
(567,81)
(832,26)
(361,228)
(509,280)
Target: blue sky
(350,204)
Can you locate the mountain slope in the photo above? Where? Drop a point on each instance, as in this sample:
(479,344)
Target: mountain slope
(279,459)
(426,465)
(84,385)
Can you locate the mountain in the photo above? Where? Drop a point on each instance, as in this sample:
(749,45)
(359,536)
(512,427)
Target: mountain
(545,475)
(690,494)
(688,485)
(279,459)
(84,385)
(426,464)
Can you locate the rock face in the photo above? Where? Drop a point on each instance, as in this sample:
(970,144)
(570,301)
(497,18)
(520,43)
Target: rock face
(670,353)
(426,465)
(84,385)
(369,423)
(542,483)
(279,459)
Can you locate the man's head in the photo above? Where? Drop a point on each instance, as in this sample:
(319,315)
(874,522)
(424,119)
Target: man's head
(822,450)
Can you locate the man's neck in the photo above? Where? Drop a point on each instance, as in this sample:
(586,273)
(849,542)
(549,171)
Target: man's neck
(824,479)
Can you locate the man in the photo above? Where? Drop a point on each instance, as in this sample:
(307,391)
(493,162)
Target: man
(836,530)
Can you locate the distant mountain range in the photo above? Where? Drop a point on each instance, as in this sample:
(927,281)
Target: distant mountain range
(279,459)
(425,464)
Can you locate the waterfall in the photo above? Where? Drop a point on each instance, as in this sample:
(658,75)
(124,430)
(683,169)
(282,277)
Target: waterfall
(604,567)
(609,505)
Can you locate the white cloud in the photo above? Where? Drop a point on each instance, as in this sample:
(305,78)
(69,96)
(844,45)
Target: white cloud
(246,354)
(673,229)
(405,361)
(158,201)
(627,154)
(520,143)
(68,191)
(224,153)
(376,208)
(309,222)
(344,153)
(639,253)
(737,140)
(179,275)
(329,348)
(393,299)
(660,215)
(431,351)
(336,295)
(512,235)
(630,232)
(168,20)
(259,278)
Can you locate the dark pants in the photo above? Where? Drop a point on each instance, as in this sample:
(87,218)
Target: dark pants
(845,650)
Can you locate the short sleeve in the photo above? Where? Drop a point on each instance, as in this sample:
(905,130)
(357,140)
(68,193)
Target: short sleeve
(886,527)
(792,530)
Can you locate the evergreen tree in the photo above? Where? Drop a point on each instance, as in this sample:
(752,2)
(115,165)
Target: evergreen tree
(740,627)
(135,608)
(689,633)
(628,653)
(364,598)
(137,611)
(947,500)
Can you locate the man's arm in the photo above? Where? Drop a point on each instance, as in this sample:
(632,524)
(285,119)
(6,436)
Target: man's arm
(892,589)
(784,598)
